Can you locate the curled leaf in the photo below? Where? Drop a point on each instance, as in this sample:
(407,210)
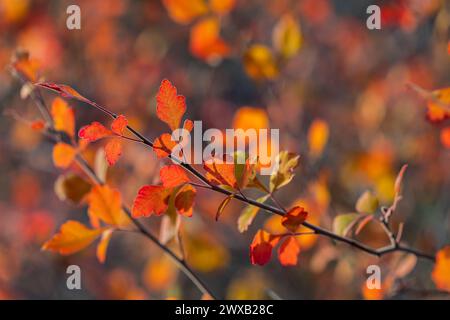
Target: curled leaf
(294,218)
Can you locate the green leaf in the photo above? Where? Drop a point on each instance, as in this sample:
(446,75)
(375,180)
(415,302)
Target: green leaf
(344,222)
(248,214)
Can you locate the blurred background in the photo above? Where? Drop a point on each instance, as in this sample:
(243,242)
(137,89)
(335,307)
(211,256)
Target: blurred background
(337,91)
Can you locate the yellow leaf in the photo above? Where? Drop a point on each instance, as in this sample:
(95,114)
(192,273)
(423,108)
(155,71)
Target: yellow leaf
(72,237)
(63,155)
(286,37)
(259,63)
(159,274)
(283,173)
(367,203)
(344,222)
(63,117)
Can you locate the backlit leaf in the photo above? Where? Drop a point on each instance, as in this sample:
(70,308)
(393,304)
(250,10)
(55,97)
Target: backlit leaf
(63,117)
(113,151)
(283,172)
(119,125)
(261,247)
(294,218)
(163,145)
(259,63)
(173,175)
(151,200)
(288,252)
(105,203)
(170,107)
(72,237)
(441,274)
(183,11)
(94,131)
(184,200)
(102,246)
(220,172)
(317,137)
(367,203)
(205,41)
(63,155)
(248,214)
(342,223)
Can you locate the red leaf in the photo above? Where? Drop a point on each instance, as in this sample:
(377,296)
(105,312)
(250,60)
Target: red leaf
(173,175)
(163,145)
(94,131)
(261,247)
(149,200)
(170,107)
(113,151)
(294,218)
(63,90)
(288,252)
(119,125)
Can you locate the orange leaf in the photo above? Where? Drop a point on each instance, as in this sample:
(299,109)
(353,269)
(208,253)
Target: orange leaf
(220,172)
(27,67)
(205,42)
(288,252)
(184,200)
(260,63)
(149,200)
(222,6)
(183,11)
(63,155)
(173,175)
(170,107)
(102,246)
(250,118)
(105,204)
(294,218)
(317,137)
(261,247)
(445,137)
(119,125)
(113,151)
(441,271)
(72,237)
(63,117)
(439,105)
(94,131)
(163,145)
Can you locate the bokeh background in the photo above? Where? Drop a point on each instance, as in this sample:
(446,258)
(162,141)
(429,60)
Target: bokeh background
(339,96)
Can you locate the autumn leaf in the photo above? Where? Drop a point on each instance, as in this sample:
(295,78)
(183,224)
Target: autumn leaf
(261,247)
(102,246)
(151,200)
(159,273)
(294,218)
(222,7)
(286,36)
(37,125)
(445,137)
(63,155)
(27,67)
(439,105)
(183,12)
(441,274)
(173,175)
(223,204)
(344,222)
(184,200)
(63,90)
(105,204)
(218,171)
(248,214)
(244,170)
(94,132)
(259,63)
(283,172)
(288,252)
(119,125)
(367,203)
(170,107)
(248,117)
(113,151)
(63,117)
(71,187)
(72,237)
(317,137)
(205,42)
(163,145)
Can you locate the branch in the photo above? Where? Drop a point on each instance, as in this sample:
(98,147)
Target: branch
(271,209)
